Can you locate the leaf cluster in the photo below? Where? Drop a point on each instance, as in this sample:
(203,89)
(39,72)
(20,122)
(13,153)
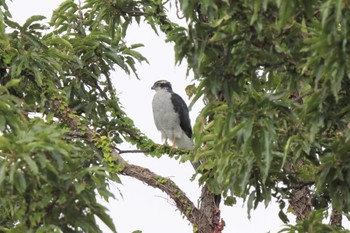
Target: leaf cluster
(313,223)
(46,182)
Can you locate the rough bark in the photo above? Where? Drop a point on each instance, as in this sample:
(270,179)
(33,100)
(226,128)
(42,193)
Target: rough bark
(300,194)
(209,207)
(336,218)
(300,202)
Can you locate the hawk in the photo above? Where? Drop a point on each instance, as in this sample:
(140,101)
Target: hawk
(171,116)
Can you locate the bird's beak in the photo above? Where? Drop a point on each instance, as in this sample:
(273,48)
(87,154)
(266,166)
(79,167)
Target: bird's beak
(153,87)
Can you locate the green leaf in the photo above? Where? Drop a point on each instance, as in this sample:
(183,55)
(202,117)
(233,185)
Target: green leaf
(230,201)
(12,24)
(326,11)
(286,149)
(268,141)
(59,41)
(106,219)
(12,83)
(2,123)
(20,182)
(38,76)
(3,166)
(138,45)
(251,199)
(248,127)
(135,54)
(79,187)
(233,131)
(283,217)
(218,22)
(4,143)
(117,59)
(31,163)
(322,178)
(33,19)
(19,228)
(13,171)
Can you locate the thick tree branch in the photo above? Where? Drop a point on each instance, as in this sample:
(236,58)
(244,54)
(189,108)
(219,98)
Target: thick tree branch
(183,203)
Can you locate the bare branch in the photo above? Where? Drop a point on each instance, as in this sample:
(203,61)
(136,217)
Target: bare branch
(182,202)
(75,134)
(130,151)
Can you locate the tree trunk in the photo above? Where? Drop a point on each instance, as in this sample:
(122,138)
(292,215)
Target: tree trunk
(336,218)
(300,194)
(300,202)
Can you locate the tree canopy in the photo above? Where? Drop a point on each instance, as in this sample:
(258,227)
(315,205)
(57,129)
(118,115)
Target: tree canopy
(275,79)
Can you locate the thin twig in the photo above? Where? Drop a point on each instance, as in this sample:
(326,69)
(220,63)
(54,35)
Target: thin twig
(75,134)
(178,10)
(130,151)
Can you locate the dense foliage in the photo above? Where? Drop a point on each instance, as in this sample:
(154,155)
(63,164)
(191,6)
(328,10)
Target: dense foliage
(276,78)
(274,75)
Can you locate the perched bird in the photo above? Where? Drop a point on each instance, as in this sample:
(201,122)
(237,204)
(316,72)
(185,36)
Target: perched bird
(171,116)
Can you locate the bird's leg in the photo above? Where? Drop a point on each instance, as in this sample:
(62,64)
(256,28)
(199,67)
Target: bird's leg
(166,142)
(174,143)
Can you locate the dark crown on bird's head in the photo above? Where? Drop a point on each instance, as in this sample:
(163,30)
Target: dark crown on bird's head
(162,84)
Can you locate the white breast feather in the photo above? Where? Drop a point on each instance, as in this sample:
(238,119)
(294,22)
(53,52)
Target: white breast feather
(166,119)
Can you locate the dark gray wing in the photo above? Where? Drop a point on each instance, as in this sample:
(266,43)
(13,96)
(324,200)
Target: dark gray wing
(181,108)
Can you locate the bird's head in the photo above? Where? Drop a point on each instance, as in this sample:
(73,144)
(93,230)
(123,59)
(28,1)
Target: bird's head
(162,84)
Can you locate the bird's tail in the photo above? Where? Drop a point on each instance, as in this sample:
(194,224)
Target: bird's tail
(187,143)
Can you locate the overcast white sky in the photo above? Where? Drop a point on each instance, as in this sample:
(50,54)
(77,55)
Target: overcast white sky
(142,207)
